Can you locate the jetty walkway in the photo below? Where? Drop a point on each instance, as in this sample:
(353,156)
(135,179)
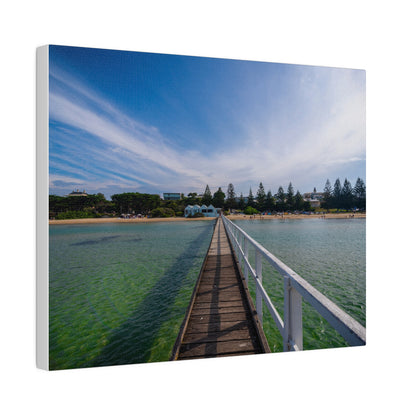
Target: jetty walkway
(221,319)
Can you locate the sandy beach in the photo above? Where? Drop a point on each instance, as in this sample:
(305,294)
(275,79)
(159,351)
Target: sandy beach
(298,216)
(124,220)
(231,217)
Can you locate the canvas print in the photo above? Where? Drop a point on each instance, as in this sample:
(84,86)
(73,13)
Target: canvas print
(202,207)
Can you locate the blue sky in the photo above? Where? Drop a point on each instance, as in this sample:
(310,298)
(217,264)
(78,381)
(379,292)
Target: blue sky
(141,122)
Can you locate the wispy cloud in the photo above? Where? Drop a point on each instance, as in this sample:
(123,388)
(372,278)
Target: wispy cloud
(99,147)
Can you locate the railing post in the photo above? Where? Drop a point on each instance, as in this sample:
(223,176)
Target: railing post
(245,248)
(239,241)
(259,299)
(293,331)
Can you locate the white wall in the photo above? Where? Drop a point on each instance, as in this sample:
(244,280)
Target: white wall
(378,37)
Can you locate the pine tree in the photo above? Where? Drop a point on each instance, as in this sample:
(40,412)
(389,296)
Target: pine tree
(207,198)
(261,197)
(250,199)
(290,201)
(218,199)
(280,199)
(336,194)
(298,201)
(241,203)
(327,195)
(269,201)
(346,195)
(231,202)
(359,193)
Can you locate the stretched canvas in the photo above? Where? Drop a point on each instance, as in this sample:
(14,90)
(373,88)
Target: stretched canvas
(193,207)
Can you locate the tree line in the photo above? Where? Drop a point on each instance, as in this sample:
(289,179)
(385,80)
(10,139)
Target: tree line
(345,196)
(96,205)
(134,203)
(339,197)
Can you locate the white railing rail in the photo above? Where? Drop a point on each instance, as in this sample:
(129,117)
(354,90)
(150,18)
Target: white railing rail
(295,288)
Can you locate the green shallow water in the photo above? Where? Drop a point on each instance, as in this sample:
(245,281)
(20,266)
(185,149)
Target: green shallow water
(329,254)
(119,292)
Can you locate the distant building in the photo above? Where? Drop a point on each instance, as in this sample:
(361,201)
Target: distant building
(314,195)
(171,196)
(315,203)
(209,211)
(78,193)
(314,198)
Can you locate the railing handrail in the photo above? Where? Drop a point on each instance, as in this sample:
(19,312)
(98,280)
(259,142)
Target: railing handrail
(295,288)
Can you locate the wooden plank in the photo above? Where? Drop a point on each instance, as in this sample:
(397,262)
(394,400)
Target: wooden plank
(222,297)
(219,327)
(223,317)
(225,304)
(211,336)
(226,273)
(227,287)
(216,310)
(219,287)
(231,354)
(213,349)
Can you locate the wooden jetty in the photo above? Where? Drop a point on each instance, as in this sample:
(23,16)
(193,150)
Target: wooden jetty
(221,319)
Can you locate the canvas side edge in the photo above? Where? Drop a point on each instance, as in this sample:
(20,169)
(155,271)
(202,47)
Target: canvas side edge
(42,203)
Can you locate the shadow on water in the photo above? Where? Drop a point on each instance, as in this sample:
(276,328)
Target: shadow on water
(132,342)
(97,241)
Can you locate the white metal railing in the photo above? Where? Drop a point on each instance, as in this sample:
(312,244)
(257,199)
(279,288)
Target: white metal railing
(295,288)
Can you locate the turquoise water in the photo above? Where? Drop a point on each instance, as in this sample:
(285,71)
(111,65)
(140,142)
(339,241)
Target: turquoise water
(119,292)
(329,254)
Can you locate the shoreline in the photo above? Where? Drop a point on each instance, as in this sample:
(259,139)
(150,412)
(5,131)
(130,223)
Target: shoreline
(231,217)
(343,215)
(124,220)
